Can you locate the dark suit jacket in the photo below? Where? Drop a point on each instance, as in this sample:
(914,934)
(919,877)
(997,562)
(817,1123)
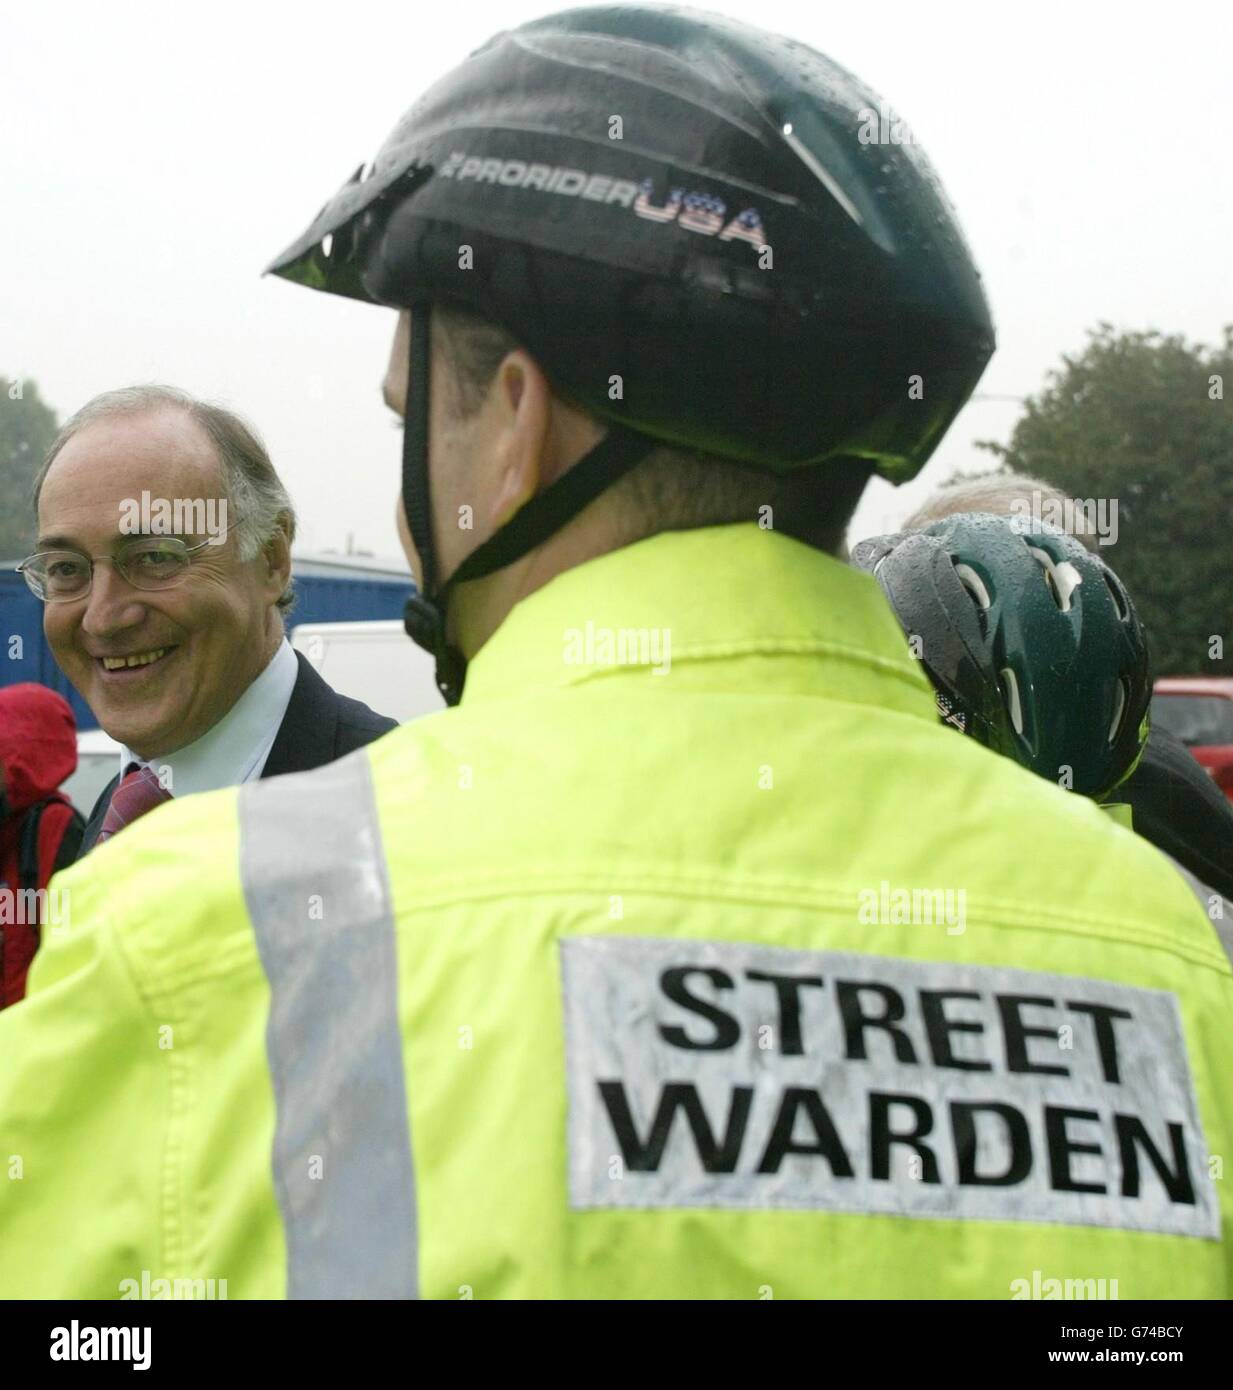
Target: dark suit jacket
(1178,807)
(319,726)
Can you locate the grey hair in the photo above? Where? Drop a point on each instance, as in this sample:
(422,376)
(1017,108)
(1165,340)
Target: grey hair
(1002,494)
(257,496)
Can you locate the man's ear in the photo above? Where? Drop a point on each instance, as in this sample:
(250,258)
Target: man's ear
(521,399)
(276,557)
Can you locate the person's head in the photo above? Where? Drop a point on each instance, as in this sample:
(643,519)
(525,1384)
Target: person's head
(1008,494)
(1031,642)
(501,434)
(599,341)
(38,744)
(136,477)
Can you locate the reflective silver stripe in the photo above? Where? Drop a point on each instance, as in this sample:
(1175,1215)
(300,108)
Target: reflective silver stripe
(318,894)
(1222,924)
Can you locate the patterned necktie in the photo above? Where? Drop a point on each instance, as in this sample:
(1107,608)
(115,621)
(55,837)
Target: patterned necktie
(137,793)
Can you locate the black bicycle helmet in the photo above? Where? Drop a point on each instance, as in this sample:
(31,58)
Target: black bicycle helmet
(1031,641)
(676,216)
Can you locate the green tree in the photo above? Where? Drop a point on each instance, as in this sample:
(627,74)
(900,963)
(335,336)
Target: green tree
(27,427)
(1141,420)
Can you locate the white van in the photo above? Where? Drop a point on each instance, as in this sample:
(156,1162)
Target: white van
(375,662)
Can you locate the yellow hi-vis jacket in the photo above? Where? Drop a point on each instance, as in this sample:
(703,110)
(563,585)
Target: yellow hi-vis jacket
(690,956)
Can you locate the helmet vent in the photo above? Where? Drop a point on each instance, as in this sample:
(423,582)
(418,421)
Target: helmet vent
(1062,579)
(798,148)
(1010,693)
(975,586)
(1119,599)
(1118,710)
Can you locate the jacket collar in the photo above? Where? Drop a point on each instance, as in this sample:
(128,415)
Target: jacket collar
(309,729)
(688,609)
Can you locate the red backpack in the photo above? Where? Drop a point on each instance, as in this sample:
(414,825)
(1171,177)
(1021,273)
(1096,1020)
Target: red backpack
(34,844)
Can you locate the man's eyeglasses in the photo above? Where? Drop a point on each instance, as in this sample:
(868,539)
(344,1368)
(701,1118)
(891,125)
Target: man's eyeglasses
(146,562)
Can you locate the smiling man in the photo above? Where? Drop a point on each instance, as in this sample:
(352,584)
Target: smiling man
(174,637)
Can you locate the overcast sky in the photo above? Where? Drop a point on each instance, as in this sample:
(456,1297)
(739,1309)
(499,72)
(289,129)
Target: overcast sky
(153,158)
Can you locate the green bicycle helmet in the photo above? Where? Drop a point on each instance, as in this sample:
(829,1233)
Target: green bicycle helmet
(676,215)
(1031,641)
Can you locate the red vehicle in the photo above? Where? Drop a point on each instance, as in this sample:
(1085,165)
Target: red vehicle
(1199,711)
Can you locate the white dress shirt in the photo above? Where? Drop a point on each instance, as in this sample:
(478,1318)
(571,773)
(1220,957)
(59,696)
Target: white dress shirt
(236,748)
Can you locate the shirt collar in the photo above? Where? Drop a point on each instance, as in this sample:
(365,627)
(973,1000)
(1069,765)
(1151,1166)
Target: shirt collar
(236,748)
(691,608)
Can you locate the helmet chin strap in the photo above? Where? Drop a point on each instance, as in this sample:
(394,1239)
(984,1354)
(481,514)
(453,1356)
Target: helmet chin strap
(541,517)
(424,616)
